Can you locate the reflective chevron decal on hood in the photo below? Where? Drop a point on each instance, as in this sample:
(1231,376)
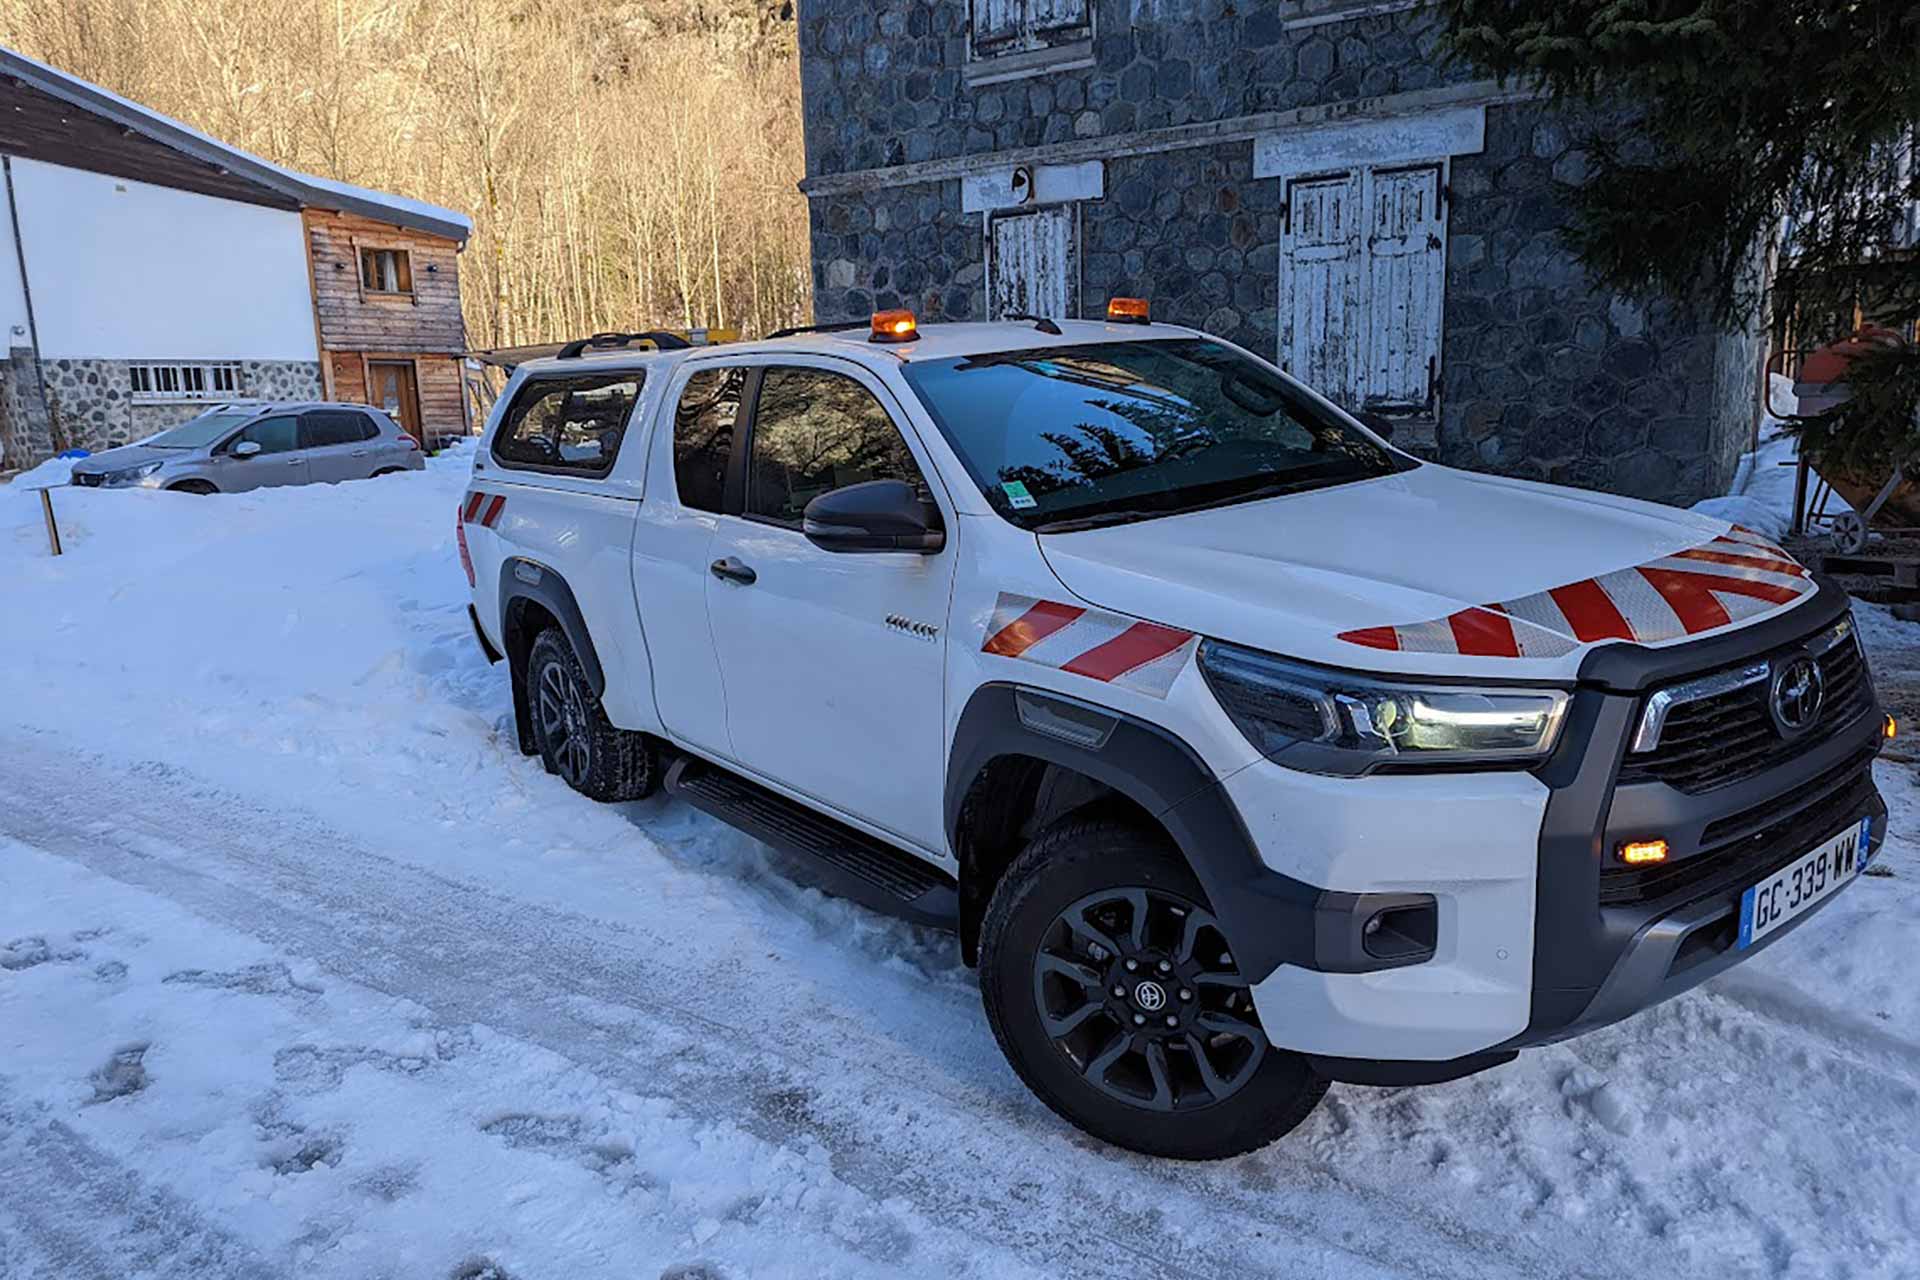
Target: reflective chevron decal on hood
(1732,578)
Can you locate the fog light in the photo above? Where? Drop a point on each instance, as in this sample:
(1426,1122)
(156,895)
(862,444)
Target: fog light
(1639,852)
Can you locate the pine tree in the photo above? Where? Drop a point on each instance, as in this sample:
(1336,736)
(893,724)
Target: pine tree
(1726,133)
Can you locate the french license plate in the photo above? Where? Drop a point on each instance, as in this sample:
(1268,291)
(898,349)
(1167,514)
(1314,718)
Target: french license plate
(1795,888)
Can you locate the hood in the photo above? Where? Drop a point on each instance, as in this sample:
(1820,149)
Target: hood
(128,455)
(1434,571)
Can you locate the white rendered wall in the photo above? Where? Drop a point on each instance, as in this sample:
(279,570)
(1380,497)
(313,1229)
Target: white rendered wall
(13,303)
(127,271)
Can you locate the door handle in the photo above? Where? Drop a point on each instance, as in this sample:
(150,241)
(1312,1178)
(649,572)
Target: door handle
(294,462)
(361,453)
(733,571)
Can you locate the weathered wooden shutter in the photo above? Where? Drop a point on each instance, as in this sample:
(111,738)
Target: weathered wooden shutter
(1320,307)
(1034,264)
(1406,268)
(1000,22)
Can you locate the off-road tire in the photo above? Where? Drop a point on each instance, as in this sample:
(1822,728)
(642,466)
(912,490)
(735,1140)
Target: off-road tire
(618,763)
(1083,857)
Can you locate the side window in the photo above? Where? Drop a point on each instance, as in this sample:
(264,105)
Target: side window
(325,427)
(273,435)
(571,425)
(815,431)
(703,436)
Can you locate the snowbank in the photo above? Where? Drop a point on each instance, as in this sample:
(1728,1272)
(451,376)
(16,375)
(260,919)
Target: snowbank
(305,970)
(52,472)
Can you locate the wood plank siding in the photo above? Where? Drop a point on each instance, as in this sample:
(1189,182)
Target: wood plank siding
(421,324)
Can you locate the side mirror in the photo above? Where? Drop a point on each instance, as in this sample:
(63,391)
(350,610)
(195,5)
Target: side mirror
(1378,423)
(246,448)
(877,515)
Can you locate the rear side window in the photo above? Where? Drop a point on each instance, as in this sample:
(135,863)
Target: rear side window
(703,436)
(273,435)
(325,427)
(570,425)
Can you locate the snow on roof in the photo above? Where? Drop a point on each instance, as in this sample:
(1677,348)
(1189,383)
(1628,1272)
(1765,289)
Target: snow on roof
(308,189)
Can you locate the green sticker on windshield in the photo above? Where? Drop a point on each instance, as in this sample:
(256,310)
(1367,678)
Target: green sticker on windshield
(1016,491)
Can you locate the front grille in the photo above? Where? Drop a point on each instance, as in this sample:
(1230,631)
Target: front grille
(1745,844)
(88,479)
(1730,737)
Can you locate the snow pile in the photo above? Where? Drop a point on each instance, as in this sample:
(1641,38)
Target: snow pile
(1761,496)
(52,472)
(305,970)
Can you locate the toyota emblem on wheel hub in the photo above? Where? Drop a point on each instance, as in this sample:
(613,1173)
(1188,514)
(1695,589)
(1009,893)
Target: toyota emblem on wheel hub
(1799,687)
(1150,996)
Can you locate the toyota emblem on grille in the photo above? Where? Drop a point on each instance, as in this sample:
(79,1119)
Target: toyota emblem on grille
(1799,687)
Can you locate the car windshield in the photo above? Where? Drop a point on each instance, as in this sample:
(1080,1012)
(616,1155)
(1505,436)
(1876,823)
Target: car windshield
(1071,436)
(197,433)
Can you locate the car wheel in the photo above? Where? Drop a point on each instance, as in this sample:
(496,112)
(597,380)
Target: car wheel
(1111,987)
(575,738)
(192,486)
(388,471)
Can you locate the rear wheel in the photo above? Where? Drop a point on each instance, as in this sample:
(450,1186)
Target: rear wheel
(575,738)
(1111,986)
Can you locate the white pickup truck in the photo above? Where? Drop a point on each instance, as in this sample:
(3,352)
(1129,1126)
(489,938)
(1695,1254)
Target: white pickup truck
(1242,752)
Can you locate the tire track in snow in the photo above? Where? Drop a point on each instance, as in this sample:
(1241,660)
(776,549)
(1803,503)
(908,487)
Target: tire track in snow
(964,1157)
(87,1216)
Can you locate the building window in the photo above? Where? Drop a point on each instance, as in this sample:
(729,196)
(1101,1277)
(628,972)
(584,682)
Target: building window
(1033,265)
(160,381)
(1363,287)
(1012,38)
(385,271)
(1295,14)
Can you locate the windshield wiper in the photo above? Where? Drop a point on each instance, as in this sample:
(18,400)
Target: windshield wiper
(1073,524)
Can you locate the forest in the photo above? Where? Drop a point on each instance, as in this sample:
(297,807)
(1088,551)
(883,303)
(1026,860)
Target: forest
(626,165)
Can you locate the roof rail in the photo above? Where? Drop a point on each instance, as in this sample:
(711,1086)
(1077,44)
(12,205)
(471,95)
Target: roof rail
(660,338)
(838,326)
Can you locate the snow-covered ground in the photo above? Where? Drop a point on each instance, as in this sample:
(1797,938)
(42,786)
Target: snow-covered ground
(304,970)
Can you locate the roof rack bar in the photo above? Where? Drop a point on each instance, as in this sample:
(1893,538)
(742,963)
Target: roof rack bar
(660,338)
(838,326)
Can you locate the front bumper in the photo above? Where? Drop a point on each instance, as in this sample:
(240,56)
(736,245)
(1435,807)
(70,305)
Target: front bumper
(1541,937)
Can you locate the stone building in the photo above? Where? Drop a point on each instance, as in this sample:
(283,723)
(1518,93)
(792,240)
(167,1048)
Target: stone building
(147,270)
(1309,178)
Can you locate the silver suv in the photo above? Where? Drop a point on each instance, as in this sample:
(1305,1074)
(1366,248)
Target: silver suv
(239,446)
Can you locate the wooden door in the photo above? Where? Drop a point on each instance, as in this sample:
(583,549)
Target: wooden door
(1406,266)
(1034,268)
(1321,307)
(392,385)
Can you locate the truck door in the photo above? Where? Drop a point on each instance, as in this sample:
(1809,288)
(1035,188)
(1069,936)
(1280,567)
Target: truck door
(686,492)
(832,662)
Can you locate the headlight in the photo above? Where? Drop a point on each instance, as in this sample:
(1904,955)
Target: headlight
(1327,721)
(130,475)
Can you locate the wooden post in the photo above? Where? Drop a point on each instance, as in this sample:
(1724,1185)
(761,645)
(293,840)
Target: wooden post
(53,528)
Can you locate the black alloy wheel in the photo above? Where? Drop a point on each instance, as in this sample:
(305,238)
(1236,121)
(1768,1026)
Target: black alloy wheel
(561,714)
(1138,990)
(1112,988)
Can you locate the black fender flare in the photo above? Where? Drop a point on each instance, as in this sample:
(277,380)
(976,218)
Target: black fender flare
(1270,917)
(524,579)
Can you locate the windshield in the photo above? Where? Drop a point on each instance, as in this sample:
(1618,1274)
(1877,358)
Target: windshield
(1065,437)
(199,432)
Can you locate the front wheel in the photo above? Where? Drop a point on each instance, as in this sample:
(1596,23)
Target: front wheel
(575,738)
(1112,989)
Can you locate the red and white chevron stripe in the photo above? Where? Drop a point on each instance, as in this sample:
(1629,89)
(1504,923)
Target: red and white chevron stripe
(1109,647)
(482,508)
(1726,580)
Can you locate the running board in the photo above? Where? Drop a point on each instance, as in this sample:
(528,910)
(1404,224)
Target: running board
(845,862)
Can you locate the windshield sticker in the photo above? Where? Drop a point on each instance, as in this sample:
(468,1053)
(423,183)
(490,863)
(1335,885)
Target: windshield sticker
(1732,578)
(1109,647)
(1016,491)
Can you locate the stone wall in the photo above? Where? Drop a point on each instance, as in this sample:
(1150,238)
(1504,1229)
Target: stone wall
(1542,375)
(91,402)
(23,415)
